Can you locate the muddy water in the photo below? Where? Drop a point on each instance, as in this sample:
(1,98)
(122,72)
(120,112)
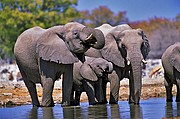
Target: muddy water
(153,108)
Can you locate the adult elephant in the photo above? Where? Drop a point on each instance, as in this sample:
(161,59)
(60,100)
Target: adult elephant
(42,55)
(127,49)
(88,77)
(171,65)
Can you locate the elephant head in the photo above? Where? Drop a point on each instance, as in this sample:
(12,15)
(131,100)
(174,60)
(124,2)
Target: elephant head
(128,48)
(94,68)
(66,44)
(174,57)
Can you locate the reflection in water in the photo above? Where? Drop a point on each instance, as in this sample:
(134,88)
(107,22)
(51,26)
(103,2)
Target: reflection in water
(136,112)
(33,113)
(47,113)
(152,108)
(172,110)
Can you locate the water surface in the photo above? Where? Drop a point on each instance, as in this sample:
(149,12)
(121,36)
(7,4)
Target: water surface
(153,108)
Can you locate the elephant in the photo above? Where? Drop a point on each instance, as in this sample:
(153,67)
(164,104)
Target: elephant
(171,64)
(127,49)
(87,77)
(43,55)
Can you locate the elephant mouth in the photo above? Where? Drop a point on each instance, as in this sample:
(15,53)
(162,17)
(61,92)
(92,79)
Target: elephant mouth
(79,50)
(82,49)
(100,75)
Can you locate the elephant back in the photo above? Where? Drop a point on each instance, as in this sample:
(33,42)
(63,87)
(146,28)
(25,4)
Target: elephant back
(25,46)
(171,55)
(105,28)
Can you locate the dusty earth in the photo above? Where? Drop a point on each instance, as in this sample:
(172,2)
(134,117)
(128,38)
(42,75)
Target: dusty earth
(17,93)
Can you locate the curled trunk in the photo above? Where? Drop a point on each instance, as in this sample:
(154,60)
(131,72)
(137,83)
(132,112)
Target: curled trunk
(96,40)
(110,67)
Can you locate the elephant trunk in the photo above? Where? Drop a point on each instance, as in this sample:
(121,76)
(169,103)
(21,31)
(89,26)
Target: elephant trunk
(110,67)
(95,38)
(136,82)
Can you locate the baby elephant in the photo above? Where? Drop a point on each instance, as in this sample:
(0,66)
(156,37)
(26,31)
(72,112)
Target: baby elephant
(88,77)
(171,65)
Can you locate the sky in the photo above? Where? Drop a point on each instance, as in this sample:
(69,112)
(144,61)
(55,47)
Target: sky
(136,10)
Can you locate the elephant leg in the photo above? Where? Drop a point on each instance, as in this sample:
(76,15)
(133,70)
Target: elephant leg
(33,92)
(67,85)
(168,86)
(78,90)
(77,97)
(114,90)
(177,74)
(178,92)
(115,85)
(90,92)
(48,85)
(99,92)
(72,98)
(131,89)
(104,83)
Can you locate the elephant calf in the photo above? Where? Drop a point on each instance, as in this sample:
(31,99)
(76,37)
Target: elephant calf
(171,65)
(88,77)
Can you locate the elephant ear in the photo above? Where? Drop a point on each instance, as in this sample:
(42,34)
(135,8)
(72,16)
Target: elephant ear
(145,48)
(50,46)
(87,72)
(111,51)
(175,57)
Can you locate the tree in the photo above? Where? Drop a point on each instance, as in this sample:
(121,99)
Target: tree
(161,39)
(101,15)
(19,15)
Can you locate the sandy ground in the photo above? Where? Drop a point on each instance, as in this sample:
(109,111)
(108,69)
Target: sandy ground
(17,94)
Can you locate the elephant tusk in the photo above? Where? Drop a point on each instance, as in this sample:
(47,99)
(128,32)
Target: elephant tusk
(128,62)
(144,61)
(89,37)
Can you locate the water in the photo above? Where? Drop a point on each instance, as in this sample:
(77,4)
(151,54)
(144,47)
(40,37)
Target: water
(153,108)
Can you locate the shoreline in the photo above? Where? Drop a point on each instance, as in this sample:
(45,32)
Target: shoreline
(14,94)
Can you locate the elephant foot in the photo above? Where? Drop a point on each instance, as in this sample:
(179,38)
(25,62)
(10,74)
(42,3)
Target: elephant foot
(136,103)
(113,102)
(74,103)
(51,105)
(169,100)
(101,103)
(90,103)
(177,100)
(64,104)
(131,101)
(36,106)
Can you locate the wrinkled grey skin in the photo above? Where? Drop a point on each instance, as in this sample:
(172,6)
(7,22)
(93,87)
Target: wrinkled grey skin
(88,76)
(171,65)
(42,55)
(126,48)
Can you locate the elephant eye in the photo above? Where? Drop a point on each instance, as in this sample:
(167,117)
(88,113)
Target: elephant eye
(75,34)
